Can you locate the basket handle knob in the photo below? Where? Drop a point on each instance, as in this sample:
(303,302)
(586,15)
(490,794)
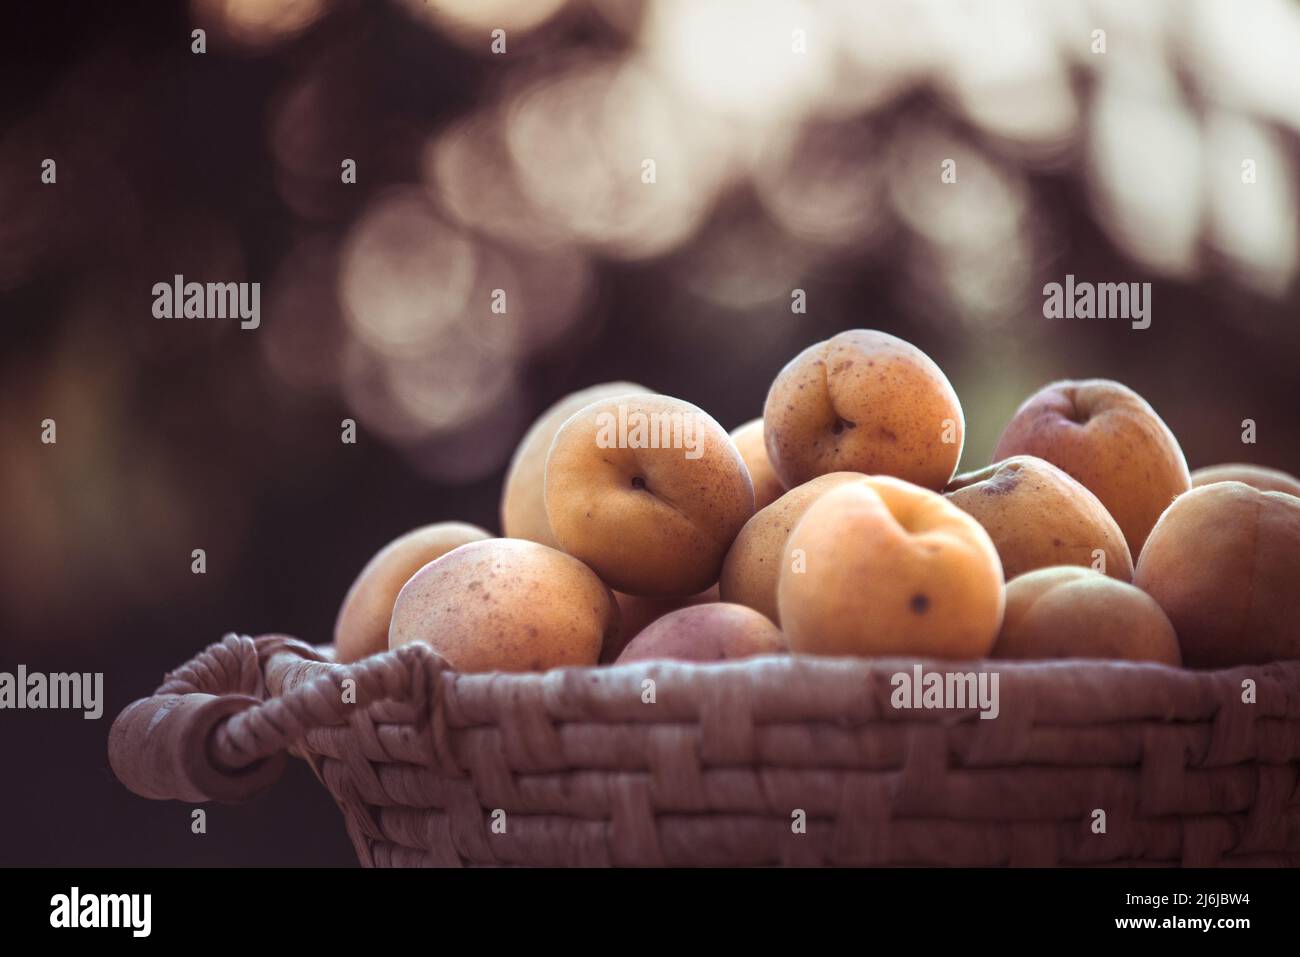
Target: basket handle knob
(212,733)
(160,748)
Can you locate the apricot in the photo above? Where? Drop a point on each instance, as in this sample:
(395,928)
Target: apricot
(749,443)
(1108,438)
(753,563)
(712,632)
(1256,476)
(649,491)
(1038,516)
(523,500)
(863,401)
(638,611)
(506,604)
(1224,564)
(361,628)
(1071,612)
(881,567)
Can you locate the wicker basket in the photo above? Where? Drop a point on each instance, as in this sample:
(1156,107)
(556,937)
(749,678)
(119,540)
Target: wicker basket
(790,760)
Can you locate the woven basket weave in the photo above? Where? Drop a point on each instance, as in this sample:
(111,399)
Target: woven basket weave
(573,767)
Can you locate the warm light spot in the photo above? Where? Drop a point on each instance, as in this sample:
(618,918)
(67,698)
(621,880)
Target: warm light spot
(469,21)
(579,140)
(256,23)
(738,57)
(1144,174)
(405,275)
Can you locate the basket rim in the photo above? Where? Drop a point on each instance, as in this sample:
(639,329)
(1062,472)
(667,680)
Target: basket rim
(1079,690)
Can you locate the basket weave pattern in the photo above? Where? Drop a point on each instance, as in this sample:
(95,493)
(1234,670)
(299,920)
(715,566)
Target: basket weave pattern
(573,767)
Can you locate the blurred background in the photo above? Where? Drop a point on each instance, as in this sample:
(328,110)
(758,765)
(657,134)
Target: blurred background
(794,146)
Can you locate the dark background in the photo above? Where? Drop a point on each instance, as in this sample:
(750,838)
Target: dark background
(176,435)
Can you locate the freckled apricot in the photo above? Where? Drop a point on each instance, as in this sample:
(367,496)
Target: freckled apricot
(653,520)
(362,625)
(863,401)
(523,498)
(1038,516)
(534,608)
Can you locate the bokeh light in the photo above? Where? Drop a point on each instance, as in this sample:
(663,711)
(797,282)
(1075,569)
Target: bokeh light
(256,24)
(469,22)
(406,275)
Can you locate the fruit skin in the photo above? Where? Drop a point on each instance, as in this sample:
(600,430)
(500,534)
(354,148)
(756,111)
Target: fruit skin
(753,563)
(712,632)
(506,605)
(750,445)
(1072,612)
(637,611)
(890,569)
(1256,476)
(1038,516)
(650,521)
(863,401)
(1224,564)
(361,628)
(1107,437)
(523,499)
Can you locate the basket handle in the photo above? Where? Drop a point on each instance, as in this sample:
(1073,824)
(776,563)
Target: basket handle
(211,732)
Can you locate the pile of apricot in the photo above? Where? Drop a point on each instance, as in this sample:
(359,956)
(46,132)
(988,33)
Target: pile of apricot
(635,527)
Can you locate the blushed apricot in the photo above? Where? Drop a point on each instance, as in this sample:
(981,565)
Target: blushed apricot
(712,632)
(1108,438)
(638,611)
(1224,564)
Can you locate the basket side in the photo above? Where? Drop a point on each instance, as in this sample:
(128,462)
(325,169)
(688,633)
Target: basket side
(810,761)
